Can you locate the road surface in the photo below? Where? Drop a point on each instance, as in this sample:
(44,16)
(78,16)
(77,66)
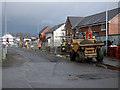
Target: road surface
(35,69)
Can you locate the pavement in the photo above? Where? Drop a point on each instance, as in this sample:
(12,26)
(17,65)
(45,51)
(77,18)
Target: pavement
(111,61)
(26,68)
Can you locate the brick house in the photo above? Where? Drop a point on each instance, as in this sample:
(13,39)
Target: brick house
(42,35)
(96,23)
(70,25)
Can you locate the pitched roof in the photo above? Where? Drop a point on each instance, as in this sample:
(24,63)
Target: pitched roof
(74,20)
(7,36)
(98,18)
(43,30)
(54,28)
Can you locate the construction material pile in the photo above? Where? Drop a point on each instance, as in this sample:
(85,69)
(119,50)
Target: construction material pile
(86,41)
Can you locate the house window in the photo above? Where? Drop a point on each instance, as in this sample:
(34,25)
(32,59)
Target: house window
(103,27)
(77,30)
(90,28)
(95,33)
(67,32)
(71,31)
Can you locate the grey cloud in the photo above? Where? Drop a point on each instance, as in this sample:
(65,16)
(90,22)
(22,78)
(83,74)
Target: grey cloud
(26,16)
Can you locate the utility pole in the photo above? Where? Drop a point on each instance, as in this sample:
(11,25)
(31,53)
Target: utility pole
(0,32)
(106,28)
(1,49)
(6,25)
(6,20)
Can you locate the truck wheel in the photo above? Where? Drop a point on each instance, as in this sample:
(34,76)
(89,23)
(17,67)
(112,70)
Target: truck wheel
(80,57)
(99,55)
(72,55)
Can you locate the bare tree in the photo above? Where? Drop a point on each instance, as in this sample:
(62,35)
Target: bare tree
(17,34)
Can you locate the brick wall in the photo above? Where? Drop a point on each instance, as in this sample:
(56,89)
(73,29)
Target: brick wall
(68,27)
(94,28)
(83,29)
(98,28)
(114,25)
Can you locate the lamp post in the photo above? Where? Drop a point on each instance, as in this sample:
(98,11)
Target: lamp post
(1,32)
(6,25)
(106,28)
(5,20)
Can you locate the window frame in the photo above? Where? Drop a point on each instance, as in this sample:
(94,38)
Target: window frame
(67,32)
(103,28)
(70,31)
(90,28)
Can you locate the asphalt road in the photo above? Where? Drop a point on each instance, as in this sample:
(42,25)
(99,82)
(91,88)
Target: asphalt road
(35,69)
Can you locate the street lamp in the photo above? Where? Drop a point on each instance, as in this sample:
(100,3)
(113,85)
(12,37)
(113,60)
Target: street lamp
(6,25)
(106,28)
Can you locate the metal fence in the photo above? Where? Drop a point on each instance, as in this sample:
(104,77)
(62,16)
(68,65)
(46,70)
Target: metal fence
(114,38)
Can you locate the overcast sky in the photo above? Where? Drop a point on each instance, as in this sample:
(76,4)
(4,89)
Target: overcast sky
(25,17)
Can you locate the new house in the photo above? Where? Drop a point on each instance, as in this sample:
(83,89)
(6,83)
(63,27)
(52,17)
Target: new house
(70,25)
(55,35)
(7,39)
(96,23)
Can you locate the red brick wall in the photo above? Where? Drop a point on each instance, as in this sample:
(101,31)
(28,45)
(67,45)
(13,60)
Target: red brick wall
(94,28)
(73,31)
(98,28)
(68,27)
(84,29)
(114,25)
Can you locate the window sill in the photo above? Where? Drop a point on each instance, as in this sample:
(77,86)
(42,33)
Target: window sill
(103,29)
